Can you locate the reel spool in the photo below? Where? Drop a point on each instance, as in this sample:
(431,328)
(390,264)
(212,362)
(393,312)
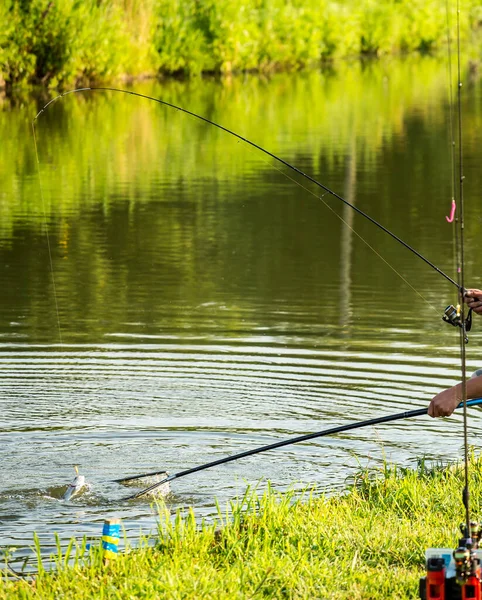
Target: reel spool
(453,316)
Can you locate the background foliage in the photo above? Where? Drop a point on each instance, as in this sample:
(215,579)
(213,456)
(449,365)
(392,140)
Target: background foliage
(72,42)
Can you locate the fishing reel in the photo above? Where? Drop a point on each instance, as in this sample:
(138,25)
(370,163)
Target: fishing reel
(453,316)
(454,575)
(465,562)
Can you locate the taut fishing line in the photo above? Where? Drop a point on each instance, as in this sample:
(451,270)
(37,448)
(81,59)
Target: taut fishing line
(353,230)
(453,215)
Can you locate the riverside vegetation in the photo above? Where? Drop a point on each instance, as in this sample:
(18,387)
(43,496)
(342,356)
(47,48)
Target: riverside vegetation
(366,543)
(67,42)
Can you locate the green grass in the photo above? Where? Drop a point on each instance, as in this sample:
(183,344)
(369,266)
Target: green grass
(66,42)
(366,543)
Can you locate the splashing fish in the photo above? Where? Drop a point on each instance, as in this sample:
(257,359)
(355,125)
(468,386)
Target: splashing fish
(75,486)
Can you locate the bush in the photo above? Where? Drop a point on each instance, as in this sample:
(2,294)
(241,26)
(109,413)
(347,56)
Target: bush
(64,42)
(37,41)
(60,42)
(179,40)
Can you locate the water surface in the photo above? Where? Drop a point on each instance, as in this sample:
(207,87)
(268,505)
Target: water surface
(171,296)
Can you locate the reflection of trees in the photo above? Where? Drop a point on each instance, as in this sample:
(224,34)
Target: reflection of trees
(155,218)
(94,141)
(346,241)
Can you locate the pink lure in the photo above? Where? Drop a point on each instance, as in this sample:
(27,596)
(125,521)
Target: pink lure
(452,213)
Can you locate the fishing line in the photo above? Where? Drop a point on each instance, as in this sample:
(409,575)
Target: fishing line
(268,153)
(49,246)
(302,438)
(466,492)
(352,229)
(453,170)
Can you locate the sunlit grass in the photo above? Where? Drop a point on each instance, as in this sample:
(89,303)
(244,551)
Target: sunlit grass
(366,543)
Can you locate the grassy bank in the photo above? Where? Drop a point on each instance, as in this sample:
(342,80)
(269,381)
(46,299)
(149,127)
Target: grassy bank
(67,42)
(367,543)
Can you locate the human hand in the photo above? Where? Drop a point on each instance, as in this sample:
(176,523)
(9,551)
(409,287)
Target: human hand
(473,299)
(444,404)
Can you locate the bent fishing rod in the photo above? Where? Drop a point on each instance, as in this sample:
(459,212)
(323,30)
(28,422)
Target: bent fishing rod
(326,189)
(302,438)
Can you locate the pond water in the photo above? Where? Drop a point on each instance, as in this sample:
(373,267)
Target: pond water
(171,296)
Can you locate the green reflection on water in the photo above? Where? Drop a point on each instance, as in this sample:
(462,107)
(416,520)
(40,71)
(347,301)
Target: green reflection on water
(127,139)
(160,223)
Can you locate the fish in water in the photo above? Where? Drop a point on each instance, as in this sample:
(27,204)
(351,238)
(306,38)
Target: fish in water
(75,487)
(161,490)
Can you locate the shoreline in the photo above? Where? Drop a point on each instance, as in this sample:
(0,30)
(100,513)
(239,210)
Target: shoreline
(367,542)
(61,44)
(8,93)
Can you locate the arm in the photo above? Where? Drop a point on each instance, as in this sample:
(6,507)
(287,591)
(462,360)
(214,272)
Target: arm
(444,404)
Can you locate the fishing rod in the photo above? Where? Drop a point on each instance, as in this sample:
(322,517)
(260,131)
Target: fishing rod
(302,438)
(458,574)
(465,493)
(268,153)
